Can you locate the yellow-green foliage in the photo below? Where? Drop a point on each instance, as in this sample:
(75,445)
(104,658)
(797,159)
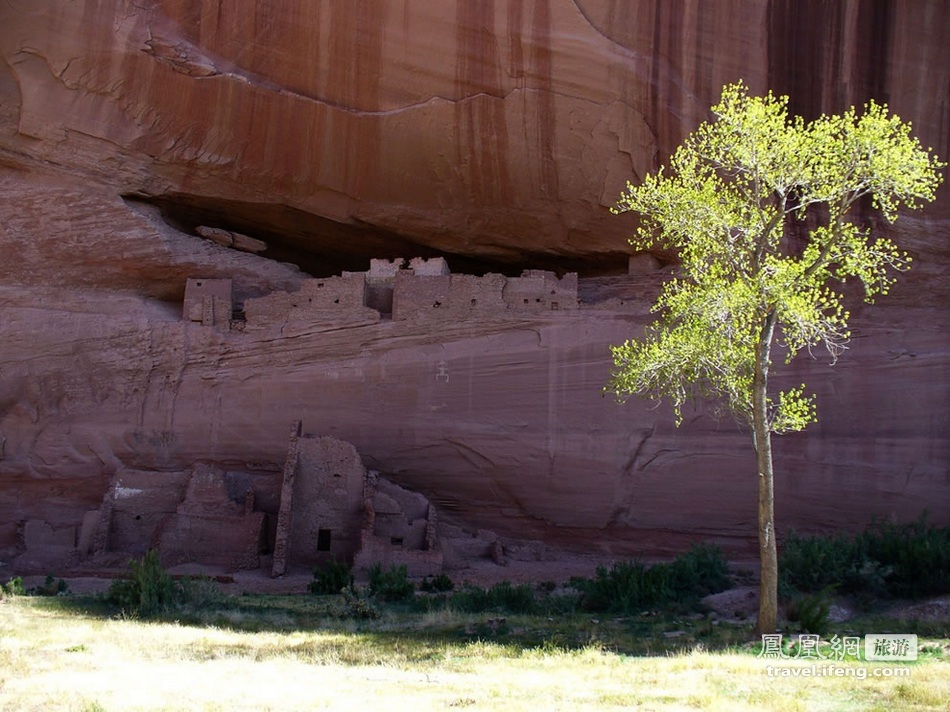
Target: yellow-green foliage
(724,205)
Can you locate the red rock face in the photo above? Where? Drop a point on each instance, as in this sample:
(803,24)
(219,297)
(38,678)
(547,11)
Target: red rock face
(494,134)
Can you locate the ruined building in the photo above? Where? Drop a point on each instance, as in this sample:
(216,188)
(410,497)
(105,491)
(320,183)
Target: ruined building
(424,289)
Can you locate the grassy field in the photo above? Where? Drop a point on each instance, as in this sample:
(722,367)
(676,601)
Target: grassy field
(290,653)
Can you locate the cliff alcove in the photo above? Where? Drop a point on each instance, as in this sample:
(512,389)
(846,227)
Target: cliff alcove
(495,136)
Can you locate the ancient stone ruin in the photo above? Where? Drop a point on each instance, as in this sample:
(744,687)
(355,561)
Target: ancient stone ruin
(324,506)
(423,289)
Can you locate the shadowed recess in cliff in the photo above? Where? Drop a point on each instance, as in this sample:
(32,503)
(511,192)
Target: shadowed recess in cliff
(324,247)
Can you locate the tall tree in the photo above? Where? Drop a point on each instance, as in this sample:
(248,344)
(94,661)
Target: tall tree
(728,204)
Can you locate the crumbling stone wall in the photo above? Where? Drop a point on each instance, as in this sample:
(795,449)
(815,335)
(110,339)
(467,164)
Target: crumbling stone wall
(208,302)
(209,527)
(399,528)
(327,502)
(330,299)
(139,503)
(448,297)
(461,296)
(423,290)
(540,290)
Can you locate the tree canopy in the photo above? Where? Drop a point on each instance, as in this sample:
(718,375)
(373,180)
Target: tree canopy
(725,205)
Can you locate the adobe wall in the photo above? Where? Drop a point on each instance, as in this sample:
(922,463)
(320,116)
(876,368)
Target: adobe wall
(330,299)
(327,502)
(380,280)
(399,529)
(139,503)
(447,297)
(540,290)
(208,302)
(461,296)
(209,527)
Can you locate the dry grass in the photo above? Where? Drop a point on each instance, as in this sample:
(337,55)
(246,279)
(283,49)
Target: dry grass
(52,659)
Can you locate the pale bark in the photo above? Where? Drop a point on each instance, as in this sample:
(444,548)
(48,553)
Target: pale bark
(768,553)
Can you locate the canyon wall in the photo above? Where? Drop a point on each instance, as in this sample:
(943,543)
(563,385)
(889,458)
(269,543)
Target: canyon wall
(495,135)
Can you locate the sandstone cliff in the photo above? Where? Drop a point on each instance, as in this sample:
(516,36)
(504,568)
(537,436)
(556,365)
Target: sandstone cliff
(495,134)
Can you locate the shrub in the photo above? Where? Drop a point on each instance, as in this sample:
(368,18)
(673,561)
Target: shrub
(148,591)
(500,598)
(810,564)
(331,579)
(198,592)
(916,556)
(699,572)
(392,585)
(52,587)
(436,584)
(355,606)
(812,611)
(886,559)
(13,587)
(630,586)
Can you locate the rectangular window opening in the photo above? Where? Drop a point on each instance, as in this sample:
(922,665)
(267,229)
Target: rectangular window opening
(324,536)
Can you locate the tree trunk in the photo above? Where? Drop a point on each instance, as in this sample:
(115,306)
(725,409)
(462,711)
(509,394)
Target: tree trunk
(768,553)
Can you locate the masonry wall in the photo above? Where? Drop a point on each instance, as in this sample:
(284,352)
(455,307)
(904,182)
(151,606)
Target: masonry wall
(327,502)
(540,290)
(447,297)
(209,527)
(208,301)
(326,300)
(399,528)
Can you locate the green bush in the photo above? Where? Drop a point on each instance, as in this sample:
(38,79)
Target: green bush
(13,587)
(699,572)
(331,578)
(500,598)
(916,556)
(392,585)
(885,560)
(52,587)
(630,586)
(811,611)
(356,606)
(437,584)
(149,589)
(810,564)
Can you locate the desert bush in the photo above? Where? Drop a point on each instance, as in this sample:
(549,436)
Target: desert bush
(916,556)
(437,584)
(148,590)
(699,572)
(13,587)
(51,587)
(812,611)
(356,606)
(500,598)
(810,564)
(391,585)
(885,560)
(630,586)
(331,579)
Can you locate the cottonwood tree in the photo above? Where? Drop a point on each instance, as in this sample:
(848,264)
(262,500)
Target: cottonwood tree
(728,204)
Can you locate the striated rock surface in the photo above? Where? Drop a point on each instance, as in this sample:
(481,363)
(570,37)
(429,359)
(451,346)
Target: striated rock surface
(146,143)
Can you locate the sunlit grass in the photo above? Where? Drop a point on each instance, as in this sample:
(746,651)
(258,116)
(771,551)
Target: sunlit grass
(55,658)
